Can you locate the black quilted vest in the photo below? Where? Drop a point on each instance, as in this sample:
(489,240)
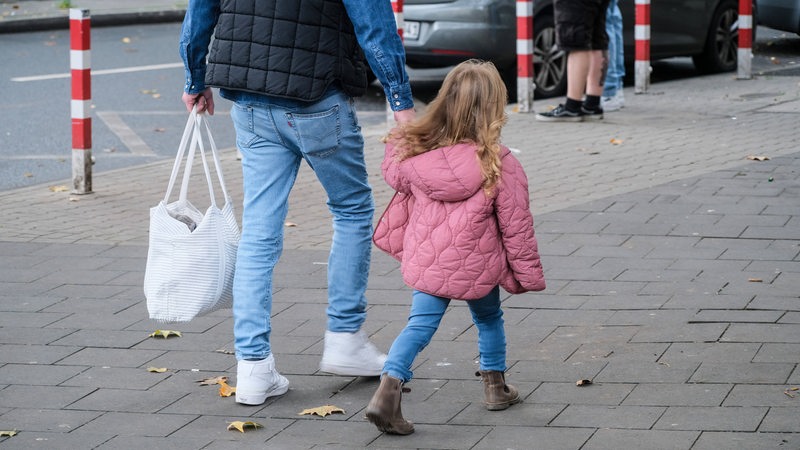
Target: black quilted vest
(286,48)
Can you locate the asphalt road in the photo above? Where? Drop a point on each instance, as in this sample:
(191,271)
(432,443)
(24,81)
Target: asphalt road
(136,87)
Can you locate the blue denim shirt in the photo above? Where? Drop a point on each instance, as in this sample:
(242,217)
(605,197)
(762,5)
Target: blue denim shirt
(374,24)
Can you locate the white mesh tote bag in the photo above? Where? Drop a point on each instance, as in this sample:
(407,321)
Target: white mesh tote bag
(192,256)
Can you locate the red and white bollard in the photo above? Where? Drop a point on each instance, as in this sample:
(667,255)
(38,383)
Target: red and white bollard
(744,54)
(80,107)
(525,82)
(642,34)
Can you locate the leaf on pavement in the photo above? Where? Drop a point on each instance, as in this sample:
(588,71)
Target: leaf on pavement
(27,175)
(157,369)
(212,381)
(755,280)
(583,382)
(290,224)
(790,391)
(616,141)
(241,426)
(226,390)
(165,334)
(322,411)
(126,40)
(8,433)
(59,188)
(757,157)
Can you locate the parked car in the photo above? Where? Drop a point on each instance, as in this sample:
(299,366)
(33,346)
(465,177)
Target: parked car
(781,15)
(442,33)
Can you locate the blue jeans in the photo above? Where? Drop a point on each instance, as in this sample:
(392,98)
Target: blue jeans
(423,321)
(274,135)
(616,57)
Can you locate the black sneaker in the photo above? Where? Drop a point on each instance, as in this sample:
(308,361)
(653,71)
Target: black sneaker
(560,114)
(592,114)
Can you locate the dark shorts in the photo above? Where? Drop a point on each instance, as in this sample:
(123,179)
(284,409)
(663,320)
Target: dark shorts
(581,24)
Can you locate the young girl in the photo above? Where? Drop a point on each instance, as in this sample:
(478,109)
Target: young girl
(468,231)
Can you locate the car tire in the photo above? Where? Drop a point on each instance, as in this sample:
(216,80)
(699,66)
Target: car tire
(722,43)
(549,61)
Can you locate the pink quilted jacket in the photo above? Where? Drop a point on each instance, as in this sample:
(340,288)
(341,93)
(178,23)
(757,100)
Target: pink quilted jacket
(457,242)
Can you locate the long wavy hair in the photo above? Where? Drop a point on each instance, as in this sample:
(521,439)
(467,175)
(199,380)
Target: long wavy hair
(469,108)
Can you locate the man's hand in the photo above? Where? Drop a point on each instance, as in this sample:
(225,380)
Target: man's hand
(404,116)
(203,100)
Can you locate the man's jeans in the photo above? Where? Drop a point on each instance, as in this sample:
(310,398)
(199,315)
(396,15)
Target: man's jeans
(274,135)
(616,56)
(426,313)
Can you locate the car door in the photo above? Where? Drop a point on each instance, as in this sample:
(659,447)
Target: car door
(677,27)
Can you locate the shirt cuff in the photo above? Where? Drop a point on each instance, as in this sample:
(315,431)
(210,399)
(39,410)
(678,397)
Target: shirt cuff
(400,97)
(195,81)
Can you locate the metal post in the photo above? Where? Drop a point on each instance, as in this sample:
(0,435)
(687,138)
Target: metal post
(525,81)
(744,54)
(80,107)
(642,35)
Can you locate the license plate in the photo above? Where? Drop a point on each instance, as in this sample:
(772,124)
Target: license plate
(410,30)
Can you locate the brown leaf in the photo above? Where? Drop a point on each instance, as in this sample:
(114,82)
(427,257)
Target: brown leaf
(757,157)
(165,334)
(290,224)
(157,369)
(616,141)
(59,188)
(225,390)
(212,381)
(790,392)
(755,280)
(322,411)
(239,425)
(583,382)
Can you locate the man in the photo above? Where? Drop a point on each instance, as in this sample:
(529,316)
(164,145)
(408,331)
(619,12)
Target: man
(291,68)
(581,31)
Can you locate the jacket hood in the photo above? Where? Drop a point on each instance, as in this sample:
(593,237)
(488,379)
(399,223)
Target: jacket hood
(447,174)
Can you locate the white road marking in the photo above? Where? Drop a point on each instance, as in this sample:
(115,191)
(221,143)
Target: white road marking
(55,76)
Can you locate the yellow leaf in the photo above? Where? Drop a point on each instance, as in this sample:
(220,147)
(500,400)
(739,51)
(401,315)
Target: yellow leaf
(165,333)
(126,40)
(8,433)
(322,411)
(757,157)
(157,369)
(214,380)
(239,425)
(226,390)
(27,175)
(59,188)
(616,141)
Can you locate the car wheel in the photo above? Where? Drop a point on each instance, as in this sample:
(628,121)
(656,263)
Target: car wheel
(722,42)
(549,61)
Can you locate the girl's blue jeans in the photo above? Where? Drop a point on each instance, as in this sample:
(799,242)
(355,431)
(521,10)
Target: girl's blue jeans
(423,321)
(274,136)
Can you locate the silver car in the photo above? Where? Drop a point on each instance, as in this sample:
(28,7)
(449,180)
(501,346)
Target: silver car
(781,15)
(442,33)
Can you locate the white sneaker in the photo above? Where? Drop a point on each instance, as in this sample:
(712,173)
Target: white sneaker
(351,354)
(257,380)
(614,103)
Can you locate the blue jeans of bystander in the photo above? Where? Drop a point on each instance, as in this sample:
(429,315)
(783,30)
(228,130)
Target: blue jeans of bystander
(616,58)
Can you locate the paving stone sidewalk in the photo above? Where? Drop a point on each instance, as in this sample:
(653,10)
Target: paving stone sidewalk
(672,264)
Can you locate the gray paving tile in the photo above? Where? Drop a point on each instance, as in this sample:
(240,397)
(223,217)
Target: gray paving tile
(650,372)
(710,332)
(786,353)
(550,438)
(711,440)
(760,395)
(122,400)
(615,439)
(618,352)
(49,420)
(34,354)
(597,416)
(44,397)
(611,394)
(138,424)
(305,433)
(37,374)
(593,334)
(669,394)
(43,439)
(129,442)
(116,378)
(719,372)
(527,413)
(711,418)
(781,420)
(102,339)
(538,371)
(711,352)
(438,436)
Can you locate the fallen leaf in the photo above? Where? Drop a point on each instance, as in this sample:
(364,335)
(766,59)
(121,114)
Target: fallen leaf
(225,390)
(157,369)
(214,380)
(322,411)
(8,433)
(59,188)
(74,199)
(165,333)
(290,224)
(663,363)
(755,280)
(790,392)
(226,351)
(583,382)
(27,175)
(239,425)
(126,40)
(156,95)
(757,157)
(616,141)
(160,130)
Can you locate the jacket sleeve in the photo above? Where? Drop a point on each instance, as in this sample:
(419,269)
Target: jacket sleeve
(514,217)
(390,167)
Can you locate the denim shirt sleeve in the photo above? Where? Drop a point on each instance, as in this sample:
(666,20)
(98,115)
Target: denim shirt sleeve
(376,31)
(198,26)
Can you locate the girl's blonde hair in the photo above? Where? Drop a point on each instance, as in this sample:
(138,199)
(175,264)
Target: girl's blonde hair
(470,107)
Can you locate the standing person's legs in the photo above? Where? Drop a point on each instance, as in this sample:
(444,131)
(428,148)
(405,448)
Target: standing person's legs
(330,139)
(578,64)
(269,170)
(423,321)
(615,73)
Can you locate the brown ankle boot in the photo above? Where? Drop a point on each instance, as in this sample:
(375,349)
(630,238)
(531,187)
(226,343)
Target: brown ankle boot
(384,408)
(497,395)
